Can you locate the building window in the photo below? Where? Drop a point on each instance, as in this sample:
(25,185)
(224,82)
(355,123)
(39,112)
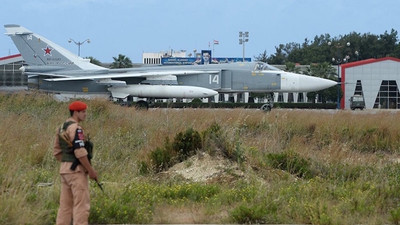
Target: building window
(11,76)
(388,96)
(358,90)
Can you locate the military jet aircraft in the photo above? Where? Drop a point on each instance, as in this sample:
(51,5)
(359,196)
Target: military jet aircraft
(57,70)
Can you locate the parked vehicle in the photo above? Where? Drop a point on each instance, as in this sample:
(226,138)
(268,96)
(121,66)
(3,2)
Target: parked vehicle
(357,102)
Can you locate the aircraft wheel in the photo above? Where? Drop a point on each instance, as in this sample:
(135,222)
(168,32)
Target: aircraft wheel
(266,107)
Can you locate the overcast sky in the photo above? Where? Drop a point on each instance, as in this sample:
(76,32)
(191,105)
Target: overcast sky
(131,27)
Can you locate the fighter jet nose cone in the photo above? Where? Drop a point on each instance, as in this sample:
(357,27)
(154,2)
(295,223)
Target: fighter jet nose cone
(310,83)
(325,83)
(293,82)
(330,83)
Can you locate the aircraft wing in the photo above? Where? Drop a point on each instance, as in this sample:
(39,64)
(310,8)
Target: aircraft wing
(145,74)
(34,74)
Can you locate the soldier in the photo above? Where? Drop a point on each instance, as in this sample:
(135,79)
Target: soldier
(70,150)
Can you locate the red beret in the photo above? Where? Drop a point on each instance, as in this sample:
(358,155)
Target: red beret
(77,106)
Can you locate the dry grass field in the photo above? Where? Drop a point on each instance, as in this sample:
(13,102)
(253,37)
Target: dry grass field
(206,165)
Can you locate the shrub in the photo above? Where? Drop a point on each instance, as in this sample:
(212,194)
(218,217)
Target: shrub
(215,139)
(143,168)
(342,172)
(186,144)
(254,214)
(196,101)
(212,138)
(395,216)
(161,159)
(292,163)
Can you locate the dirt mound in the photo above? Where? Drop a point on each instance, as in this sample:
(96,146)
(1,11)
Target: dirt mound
(205,168)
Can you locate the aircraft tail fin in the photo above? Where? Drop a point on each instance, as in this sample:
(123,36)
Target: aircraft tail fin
(39,51)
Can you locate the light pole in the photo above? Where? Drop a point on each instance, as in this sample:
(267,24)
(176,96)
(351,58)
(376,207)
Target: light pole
(243,38)
(338,60)
(79,44)
(357,54)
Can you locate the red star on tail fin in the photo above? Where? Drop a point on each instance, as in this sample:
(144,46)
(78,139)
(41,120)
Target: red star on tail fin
(47,51)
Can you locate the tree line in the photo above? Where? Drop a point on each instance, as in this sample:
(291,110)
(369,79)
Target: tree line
(323,48)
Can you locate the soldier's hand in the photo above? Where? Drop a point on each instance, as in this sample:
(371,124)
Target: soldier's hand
(93,174)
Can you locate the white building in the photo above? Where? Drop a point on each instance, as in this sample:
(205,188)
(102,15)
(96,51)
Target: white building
(376,79)
(154,58)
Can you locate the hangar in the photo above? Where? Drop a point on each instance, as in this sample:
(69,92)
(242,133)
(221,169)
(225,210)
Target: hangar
(11,78)
(375,79)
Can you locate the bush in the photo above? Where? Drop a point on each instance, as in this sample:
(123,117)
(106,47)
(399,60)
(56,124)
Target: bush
(395,216)
(143,168)
(186,144)
(212,138)
(255,214)
(292,163)
(161,159)
(196,101)
(215,140)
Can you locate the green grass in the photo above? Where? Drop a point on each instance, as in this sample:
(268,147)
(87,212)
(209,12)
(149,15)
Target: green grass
(300,166)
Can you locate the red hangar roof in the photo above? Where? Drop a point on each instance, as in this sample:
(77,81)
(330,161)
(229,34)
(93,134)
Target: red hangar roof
(355,64)
(10,59)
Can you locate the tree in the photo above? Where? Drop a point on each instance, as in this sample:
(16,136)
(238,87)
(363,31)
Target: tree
(94,61)
(262,57)
(362,46)
(121,62)
(291,67)
(396,52)
(388,43)
(280,56)
(324,70)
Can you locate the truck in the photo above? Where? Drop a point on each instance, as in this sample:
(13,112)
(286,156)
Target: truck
(357,102)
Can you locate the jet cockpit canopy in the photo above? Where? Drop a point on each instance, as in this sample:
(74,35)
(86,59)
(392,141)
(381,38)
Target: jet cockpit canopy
(264,66)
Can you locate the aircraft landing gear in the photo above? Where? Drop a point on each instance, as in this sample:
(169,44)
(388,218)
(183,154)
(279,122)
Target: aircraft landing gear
(267,107)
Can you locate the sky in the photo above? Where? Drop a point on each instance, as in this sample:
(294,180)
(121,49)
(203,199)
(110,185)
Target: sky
(131,27)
